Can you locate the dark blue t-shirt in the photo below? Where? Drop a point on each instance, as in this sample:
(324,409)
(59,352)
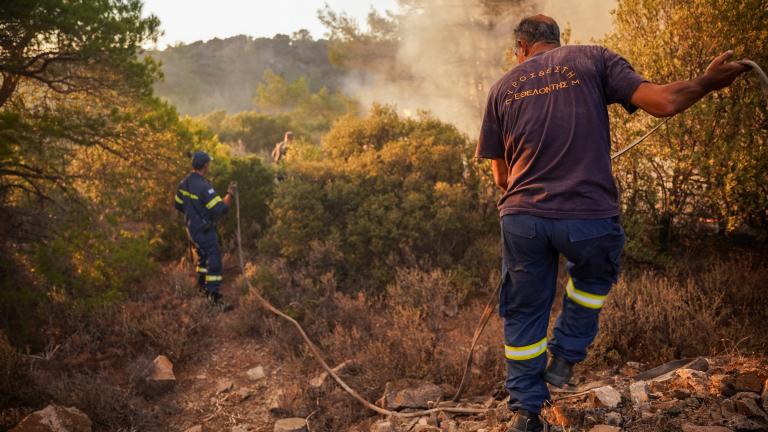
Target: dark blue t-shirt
(548,119)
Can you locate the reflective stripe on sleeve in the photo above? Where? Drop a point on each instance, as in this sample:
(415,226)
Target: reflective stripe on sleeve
(179,200)
(188,194)
(582,298)
(201,270)
(213,278)
(526,352)
(215,200)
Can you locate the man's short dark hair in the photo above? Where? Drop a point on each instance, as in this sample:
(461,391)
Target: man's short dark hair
(538,28)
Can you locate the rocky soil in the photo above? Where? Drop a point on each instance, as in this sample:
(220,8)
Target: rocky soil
(224,392)
(700,395)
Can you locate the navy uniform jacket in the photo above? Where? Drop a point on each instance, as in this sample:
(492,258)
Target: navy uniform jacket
(201,205)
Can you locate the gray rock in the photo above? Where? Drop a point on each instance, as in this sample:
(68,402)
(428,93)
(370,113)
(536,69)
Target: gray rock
(54,418)
(699,364)
(159,377)
(410,394)
(747,403)
(638,392)
(749,381)
(295,424)
(224,385)
(255,374)
(605,396)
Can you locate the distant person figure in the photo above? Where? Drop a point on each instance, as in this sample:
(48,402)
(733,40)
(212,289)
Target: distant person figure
(282,147)
(202,208)
(546,130)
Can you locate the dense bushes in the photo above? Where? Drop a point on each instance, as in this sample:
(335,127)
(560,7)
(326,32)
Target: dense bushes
(391,192)
(707,166)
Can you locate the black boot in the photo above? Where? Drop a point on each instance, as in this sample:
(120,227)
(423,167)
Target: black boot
(524,421)
(559,372)
(217,300)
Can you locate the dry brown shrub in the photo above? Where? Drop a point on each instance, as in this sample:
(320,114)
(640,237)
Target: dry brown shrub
(655,317)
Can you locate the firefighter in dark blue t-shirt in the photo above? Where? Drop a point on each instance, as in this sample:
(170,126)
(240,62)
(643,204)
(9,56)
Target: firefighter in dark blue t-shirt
(202,207)
(546,131)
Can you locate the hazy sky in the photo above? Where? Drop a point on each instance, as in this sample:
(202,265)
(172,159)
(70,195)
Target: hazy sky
(192,20)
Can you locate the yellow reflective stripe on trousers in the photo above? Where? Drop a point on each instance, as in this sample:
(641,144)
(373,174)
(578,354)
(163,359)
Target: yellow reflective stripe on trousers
(179,200)
(187,194)
(201,270)
(213,278)
(215,200)
(582,298)
(526,352)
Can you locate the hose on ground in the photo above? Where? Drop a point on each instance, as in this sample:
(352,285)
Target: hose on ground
(485,317)
(252,292)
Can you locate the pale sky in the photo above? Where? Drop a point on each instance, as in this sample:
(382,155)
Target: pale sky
(193,20)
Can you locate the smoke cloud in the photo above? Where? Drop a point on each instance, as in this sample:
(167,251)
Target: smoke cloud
(450,54)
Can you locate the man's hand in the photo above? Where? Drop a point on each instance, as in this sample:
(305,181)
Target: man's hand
(669,99)
(721,72)
(232,188)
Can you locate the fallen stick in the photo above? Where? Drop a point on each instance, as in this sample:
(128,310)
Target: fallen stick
(316,352)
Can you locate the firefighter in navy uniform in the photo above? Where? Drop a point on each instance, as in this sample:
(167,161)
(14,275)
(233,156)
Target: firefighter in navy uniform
(202,207)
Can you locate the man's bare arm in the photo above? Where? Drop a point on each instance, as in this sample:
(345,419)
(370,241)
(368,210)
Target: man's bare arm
(500,173)
(669,99)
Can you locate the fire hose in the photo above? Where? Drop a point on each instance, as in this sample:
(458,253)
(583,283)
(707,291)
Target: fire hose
(487,312)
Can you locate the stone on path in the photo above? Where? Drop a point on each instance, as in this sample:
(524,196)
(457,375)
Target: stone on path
(54,418)
(295,424)
(224,385)
(196,428)
(749,381)
(410,394)
(159,377)
(255,374)
(638,392)
(606,396)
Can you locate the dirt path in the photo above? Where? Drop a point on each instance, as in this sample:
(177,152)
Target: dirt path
(213,388)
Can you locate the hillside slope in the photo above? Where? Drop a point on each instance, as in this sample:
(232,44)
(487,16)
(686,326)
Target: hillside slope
(223,73)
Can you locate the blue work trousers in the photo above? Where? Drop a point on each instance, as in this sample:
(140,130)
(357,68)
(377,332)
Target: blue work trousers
(209,268)
(532,246)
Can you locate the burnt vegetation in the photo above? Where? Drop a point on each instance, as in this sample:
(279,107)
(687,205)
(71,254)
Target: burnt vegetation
(381,235)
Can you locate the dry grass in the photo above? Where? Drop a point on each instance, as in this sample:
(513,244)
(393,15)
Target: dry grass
(422,327)
(700,310)
(94,353)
